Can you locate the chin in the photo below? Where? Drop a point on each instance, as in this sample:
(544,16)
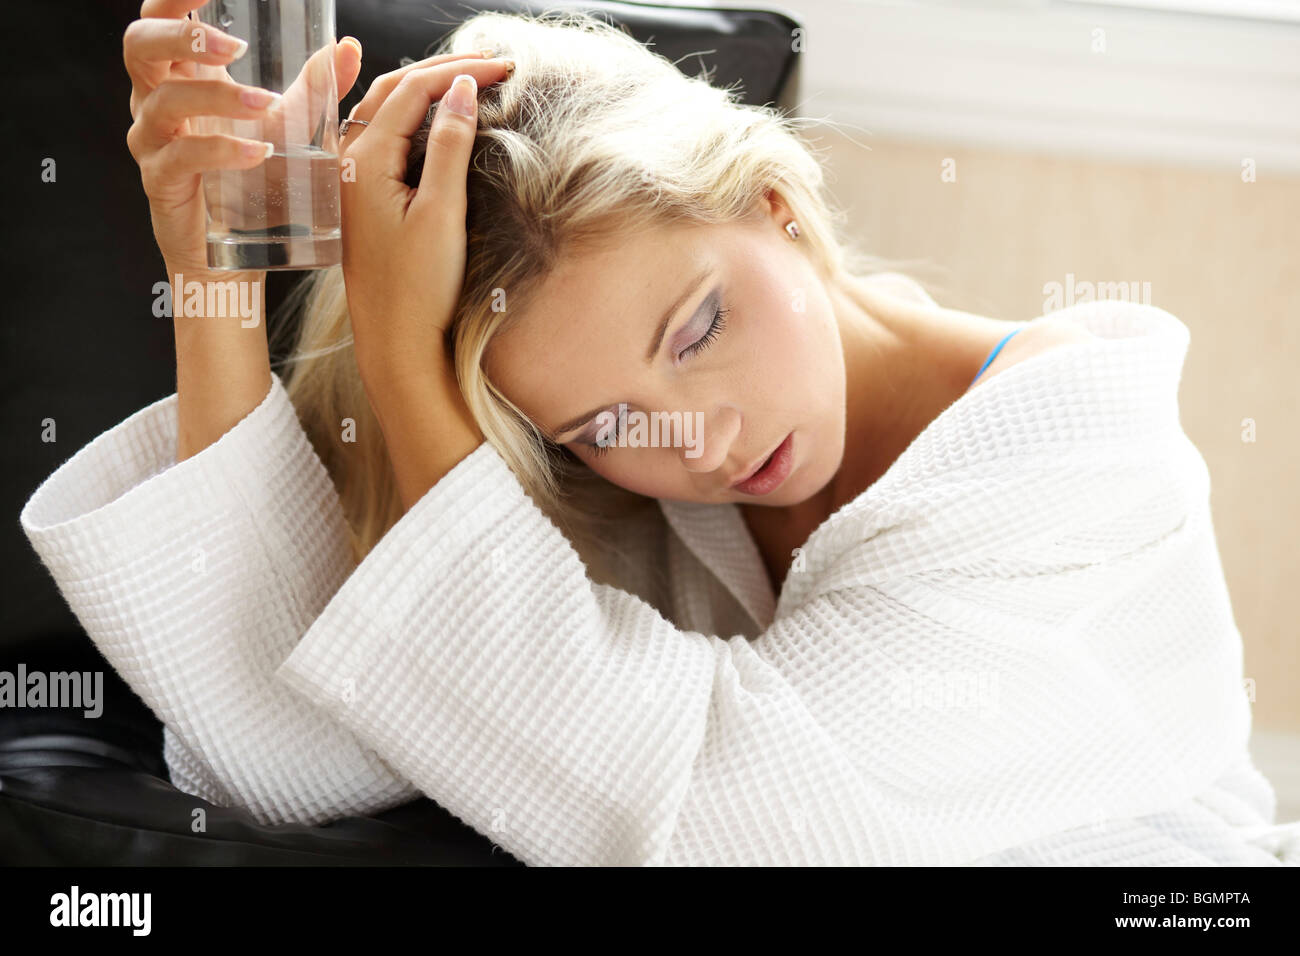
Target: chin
(805,484)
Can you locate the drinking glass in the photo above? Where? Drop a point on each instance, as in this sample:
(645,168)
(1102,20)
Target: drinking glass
(283,213)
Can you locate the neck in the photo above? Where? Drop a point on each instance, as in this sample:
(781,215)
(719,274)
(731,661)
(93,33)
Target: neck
(881,395)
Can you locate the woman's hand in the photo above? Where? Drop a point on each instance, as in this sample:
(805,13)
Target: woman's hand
(160,56)
(404,248)
(404,264)
(223,370)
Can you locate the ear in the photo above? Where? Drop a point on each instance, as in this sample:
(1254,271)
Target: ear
(776,208)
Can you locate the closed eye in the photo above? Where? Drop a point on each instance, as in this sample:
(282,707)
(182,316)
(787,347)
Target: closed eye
(719,323)
(602,445)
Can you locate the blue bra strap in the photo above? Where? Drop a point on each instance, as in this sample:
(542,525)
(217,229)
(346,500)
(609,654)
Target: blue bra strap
(992,356)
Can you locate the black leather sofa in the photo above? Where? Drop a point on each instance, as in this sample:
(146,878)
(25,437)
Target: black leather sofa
(84,349)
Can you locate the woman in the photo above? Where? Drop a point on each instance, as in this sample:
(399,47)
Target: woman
(970,611)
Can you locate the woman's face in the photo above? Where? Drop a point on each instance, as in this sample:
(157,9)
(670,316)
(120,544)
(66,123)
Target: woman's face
(774,367)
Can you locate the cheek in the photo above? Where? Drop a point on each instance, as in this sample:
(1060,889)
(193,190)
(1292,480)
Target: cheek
(794,348)
(653,477)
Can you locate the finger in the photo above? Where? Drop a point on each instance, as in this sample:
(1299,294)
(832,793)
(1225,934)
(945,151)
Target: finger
(187,156)
(447,153)
(384,84)
(309,97)
(347,65)
(168,107)
(173,9)
(161,41)
(387,140)
(151,46)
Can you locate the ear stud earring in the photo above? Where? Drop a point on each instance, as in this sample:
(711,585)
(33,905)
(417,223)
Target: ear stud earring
(792,228)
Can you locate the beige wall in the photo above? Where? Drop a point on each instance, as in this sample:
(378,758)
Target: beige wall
(1221,254)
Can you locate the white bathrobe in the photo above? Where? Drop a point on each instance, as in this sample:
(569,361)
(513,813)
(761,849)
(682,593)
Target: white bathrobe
(1017,646)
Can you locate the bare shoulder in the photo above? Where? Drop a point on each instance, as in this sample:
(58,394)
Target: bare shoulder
(1034,338)
(1046,333)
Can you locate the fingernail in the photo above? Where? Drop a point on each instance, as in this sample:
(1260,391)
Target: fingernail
(227,45)
(355,42)
(487,54)
(463,95)
(257,149)
(258,99)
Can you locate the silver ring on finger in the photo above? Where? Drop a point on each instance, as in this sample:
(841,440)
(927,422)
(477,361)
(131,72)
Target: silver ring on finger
(343,127)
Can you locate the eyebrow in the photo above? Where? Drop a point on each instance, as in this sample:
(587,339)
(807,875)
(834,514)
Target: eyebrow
(691,288)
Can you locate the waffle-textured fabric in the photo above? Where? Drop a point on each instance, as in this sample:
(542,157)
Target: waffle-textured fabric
(1016,647)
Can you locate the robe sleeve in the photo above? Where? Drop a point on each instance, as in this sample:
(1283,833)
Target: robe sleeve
(196,580)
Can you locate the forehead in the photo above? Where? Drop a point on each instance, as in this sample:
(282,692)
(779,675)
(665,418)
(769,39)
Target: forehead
(585,330)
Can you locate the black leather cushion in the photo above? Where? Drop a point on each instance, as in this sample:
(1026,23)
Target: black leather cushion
(95,816)
(85,350)
(94,791)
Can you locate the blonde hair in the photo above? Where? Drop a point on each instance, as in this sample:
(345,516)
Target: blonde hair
(593,135)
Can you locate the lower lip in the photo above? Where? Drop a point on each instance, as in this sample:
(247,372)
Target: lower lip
(768,478)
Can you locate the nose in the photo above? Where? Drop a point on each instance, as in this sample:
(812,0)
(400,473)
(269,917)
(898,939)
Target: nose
(712,441)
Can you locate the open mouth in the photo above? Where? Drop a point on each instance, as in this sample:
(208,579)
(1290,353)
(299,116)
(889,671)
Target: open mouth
(774,470)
